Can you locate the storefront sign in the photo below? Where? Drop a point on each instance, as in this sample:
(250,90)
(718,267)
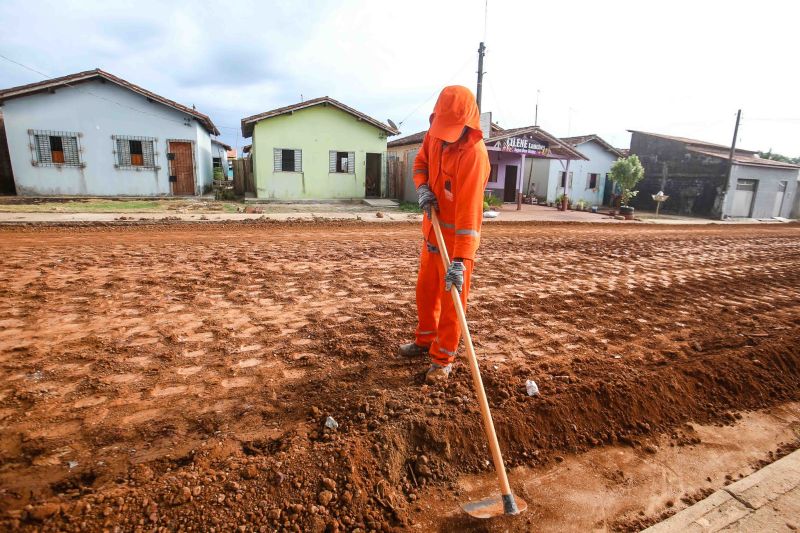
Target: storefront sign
(521,145)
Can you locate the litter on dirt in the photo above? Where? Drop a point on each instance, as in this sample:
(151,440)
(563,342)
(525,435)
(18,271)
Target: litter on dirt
(189,358)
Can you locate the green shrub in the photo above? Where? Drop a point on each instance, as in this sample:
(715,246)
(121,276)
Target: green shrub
(492,201)
(626,173)
(224,194)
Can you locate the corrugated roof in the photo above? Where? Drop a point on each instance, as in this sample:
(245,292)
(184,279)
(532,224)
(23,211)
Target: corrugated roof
(416,138)
(88,75)
(249,122)
(692,142)
(226,146)
(500,134)
(741,157)
(580,139)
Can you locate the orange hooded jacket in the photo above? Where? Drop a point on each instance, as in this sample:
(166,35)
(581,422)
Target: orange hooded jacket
(455,165)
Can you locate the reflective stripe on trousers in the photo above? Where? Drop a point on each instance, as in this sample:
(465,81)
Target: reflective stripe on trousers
(438,325)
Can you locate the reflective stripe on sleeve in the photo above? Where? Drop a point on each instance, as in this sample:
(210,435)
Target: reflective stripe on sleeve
(470,232)
(420,171)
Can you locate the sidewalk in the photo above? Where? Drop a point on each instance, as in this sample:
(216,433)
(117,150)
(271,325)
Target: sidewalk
(380,213)
(768,500)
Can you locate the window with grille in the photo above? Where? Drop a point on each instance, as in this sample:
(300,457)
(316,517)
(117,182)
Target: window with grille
(55,148)
(135,152)
(287,160)
(341,162)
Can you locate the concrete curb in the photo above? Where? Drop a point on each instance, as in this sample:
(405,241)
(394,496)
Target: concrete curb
(767,500)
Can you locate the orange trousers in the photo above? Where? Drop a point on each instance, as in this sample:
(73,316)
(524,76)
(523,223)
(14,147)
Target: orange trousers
(437,326)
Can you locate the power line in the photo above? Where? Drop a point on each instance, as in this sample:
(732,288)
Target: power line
(768,119)
(435,93)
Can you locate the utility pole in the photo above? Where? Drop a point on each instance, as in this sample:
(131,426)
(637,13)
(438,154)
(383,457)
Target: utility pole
(536,116)
(730,163)
(733,143)
(479,92)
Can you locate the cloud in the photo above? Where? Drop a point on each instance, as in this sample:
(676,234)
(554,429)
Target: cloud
(680,67)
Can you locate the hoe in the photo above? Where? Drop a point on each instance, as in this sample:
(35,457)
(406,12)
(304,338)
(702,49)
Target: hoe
(492,506)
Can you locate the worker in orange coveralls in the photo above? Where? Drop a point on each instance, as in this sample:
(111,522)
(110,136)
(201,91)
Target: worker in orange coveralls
(450,173)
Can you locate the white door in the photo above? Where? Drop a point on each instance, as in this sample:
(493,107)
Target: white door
(776,212)
(743,198)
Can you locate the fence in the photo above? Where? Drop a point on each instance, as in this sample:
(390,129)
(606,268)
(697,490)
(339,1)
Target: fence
(243,181)
(395,169)
(400,180)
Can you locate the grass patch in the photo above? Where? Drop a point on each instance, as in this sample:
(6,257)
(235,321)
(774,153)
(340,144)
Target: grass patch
(98,205)
(104,206)
(410,207)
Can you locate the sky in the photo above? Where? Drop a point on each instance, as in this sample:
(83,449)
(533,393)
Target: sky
(674,67)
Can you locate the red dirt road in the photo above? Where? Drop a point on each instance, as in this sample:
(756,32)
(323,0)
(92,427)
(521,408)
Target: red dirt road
(180,376)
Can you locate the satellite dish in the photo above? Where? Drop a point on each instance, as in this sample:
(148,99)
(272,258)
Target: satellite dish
(392,124)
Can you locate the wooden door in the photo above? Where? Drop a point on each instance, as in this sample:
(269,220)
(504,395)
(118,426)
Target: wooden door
(510,190)
(181,166)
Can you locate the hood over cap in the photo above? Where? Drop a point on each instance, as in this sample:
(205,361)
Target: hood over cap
(455,109)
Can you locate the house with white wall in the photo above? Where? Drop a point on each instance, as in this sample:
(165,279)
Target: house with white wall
(509,151)
(704,179)
(219,157)
(585,180)
(94,134)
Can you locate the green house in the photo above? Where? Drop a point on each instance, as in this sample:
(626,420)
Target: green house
(319,149)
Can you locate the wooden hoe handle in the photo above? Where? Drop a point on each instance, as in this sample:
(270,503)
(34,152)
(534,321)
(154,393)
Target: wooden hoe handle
(477,382)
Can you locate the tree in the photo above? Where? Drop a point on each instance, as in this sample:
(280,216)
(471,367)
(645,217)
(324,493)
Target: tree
(626,173)
(779,157)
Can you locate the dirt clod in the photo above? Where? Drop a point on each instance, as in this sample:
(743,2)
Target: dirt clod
(325,498)
(176,367)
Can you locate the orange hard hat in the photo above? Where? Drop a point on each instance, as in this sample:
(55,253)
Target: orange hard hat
(455,109)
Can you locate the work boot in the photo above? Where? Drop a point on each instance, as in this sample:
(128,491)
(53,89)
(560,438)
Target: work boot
(412,349)
(438,373)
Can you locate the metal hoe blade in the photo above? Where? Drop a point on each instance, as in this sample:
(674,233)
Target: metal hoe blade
(495,506)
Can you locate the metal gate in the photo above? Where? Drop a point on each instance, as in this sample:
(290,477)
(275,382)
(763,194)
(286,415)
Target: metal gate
(743,198)
(779,196)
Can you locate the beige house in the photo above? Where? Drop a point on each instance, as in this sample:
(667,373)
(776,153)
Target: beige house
(401,154)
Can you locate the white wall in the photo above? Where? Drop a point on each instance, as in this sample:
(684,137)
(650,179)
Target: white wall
(217,150)
(97,119)
(538,172)
(766,190)
(546,174)
(203,164)
(796,204)
(600,161)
